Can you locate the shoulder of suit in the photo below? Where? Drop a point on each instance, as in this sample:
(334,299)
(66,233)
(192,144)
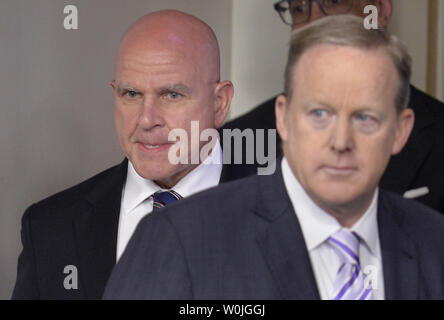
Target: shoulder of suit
(259,117)
(72,195)
(223,199)
(419,219)
(422,103)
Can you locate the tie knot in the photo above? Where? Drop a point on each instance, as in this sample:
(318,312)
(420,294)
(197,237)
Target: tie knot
(346,244)
(163,198)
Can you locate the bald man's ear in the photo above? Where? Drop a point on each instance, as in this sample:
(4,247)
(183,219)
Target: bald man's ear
(224,93)
(384,12)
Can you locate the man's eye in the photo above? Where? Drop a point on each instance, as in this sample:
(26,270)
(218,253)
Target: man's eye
(173,95)
(366,123)
(319,113)
(320,118)
(330,3)
(130,94)
(363,117)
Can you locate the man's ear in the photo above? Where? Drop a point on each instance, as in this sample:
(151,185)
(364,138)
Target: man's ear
(280,109)
(384,12)
(224,93)
(406,120)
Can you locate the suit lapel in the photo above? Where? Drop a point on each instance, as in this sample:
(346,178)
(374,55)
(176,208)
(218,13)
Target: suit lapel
(399,260)
(96,232)
(281,241)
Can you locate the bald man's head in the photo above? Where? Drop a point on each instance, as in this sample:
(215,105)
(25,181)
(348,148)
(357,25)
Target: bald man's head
(167,75)
(175,31)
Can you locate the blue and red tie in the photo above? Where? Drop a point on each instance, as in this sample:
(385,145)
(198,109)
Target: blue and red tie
(164,198)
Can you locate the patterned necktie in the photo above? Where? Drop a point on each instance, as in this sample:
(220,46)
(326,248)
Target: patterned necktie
(163,198)
(350,280)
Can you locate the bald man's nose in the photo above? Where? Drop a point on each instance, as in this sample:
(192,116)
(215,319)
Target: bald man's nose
(150,116)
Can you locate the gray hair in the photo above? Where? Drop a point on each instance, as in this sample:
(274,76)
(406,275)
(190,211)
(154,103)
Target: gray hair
(348,30)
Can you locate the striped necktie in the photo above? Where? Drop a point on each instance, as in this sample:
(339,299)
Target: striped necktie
(163,198)
(350,280)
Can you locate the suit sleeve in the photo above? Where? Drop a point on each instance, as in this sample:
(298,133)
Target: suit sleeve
(26,287)
(153,265)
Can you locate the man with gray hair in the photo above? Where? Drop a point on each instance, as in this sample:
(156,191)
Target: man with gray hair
(416,172)
(320,227)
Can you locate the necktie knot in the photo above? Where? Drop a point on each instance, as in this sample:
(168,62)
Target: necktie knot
(346,245)
(163,198)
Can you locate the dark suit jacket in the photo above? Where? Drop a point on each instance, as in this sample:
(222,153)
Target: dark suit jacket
(250,246)
(76,227)
(420,163)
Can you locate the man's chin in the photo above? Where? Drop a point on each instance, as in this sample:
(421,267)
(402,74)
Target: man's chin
(153,171)
(335,197)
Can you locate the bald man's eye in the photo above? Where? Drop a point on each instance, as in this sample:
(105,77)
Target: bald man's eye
(131,94)
(172,96)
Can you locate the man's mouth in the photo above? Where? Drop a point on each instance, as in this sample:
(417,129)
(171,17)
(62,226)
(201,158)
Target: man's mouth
(154,147)
(335,170)
(149,146)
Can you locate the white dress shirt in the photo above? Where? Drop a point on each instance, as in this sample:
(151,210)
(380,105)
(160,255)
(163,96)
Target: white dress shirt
(317,225)
(137,200)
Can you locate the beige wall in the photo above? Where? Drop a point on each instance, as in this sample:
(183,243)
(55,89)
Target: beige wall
(259,50)
(409,22)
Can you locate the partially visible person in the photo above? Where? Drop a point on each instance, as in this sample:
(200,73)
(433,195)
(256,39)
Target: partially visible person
(167,74)
(417,172)
(320,227)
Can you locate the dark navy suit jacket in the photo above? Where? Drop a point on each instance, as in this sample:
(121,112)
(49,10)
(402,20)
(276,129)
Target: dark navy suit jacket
(77,227)
(242,240)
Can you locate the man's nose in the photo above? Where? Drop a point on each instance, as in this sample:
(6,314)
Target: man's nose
(150,114)
(342,136)
(316,12)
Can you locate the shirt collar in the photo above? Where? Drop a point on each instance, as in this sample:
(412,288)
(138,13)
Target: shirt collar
(206,175)
(316,224)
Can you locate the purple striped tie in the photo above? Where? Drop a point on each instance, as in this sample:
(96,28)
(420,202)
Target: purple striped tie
(163,198)
(350,279)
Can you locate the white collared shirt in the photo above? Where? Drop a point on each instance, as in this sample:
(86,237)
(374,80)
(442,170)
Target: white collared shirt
(137,192)
(317,225)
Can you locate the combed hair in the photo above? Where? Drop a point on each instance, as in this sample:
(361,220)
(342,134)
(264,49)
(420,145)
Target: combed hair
(348,30)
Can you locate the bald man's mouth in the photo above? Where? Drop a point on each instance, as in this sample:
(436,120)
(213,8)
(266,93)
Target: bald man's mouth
(154,147)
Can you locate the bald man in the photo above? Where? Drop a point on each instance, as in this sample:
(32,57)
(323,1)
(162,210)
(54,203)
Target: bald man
(167,75)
